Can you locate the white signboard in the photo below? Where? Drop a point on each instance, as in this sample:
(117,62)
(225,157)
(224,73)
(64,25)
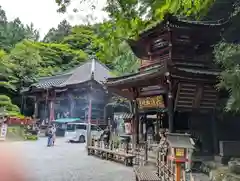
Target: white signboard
(3,132)
(128,128)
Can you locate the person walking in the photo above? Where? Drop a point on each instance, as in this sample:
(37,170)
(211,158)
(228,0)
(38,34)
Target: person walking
(50,136)
(54,134)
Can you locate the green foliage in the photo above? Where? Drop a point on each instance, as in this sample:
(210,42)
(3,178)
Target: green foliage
(227,55)
(80,37)
(57,57)
(12,32)
(25,61)
(57,35)
(10,108)
(125,61)
(133,16)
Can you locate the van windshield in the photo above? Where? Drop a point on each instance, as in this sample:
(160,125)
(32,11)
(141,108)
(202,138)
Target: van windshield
(71,127)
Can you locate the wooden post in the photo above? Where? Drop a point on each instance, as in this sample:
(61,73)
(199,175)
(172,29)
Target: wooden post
(141,130)
(51,111)
(170,112)
(146,153)
(89,121)
(72,104)
(35,107)
(137,122)
(170,104)
(214,133)
(134,138)
(168,76)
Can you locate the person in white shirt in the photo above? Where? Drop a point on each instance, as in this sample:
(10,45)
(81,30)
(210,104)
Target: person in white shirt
(54,134)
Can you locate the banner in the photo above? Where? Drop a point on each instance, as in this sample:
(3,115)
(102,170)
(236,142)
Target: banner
(3,132)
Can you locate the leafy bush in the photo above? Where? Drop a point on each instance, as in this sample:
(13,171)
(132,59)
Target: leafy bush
(11,109)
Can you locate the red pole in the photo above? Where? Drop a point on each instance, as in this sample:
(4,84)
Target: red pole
(51,111)
(178,171)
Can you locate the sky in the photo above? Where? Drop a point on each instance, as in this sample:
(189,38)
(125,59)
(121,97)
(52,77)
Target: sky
(43,13)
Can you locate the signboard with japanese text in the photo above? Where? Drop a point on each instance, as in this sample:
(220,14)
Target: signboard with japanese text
(3,132)
(151,102)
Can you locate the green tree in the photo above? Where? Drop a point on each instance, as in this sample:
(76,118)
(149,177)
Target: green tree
(132,16)
(3,17)
(227,55)
(124,61)
(25,62)
(57,57)
(6,103)
(13,32)
(5,72)
(58,34)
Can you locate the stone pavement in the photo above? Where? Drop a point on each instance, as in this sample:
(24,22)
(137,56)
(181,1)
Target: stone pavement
(68,162)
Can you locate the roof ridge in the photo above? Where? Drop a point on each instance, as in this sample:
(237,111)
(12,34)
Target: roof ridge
(103,65)
(54,76)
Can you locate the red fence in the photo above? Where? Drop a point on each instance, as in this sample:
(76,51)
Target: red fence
(19,121)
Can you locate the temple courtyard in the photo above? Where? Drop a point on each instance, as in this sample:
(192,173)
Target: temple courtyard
(67,162)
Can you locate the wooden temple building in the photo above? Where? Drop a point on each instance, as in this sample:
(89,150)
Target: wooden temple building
(76,93)
(176,80)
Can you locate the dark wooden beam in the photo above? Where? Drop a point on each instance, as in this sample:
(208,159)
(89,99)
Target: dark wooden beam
(124,93)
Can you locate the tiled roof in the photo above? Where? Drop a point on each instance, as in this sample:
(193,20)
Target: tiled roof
(50,82)
(205,72)
(91,69)
(78,75)
(137,78)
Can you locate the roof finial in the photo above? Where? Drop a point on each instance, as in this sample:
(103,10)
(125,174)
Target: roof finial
(93,66)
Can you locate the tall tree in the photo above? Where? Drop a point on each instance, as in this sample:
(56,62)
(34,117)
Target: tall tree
(26,61)
(227,55)
(132,16)
(58,34)
(14,32)
(5,73)
(3,17)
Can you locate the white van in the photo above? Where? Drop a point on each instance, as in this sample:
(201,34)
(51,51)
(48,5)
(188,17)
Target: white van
(77,132)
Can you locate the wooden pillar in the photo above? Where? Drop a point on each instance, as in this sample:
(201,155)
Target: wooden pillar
(46,106)
(23,105)
(51,111)
(35,107)
(140,129)
(158,123)
(89,118)
(170,104)
(145,128)
(134,133)
(168,76)
(178,172)
(214,134)
(137,122)
(72,104)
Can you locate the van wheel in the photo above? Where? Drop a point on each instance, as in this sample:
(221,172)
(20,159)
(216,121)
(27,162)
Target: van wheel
(82,139)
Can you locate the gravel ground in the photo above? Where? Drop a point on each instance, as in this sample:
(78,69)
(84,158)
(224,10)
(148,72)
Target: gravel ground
(68,162)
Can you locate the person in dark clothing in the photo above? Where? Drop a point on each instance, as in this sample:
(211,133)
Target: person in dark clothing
(106,136)
(50,136)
